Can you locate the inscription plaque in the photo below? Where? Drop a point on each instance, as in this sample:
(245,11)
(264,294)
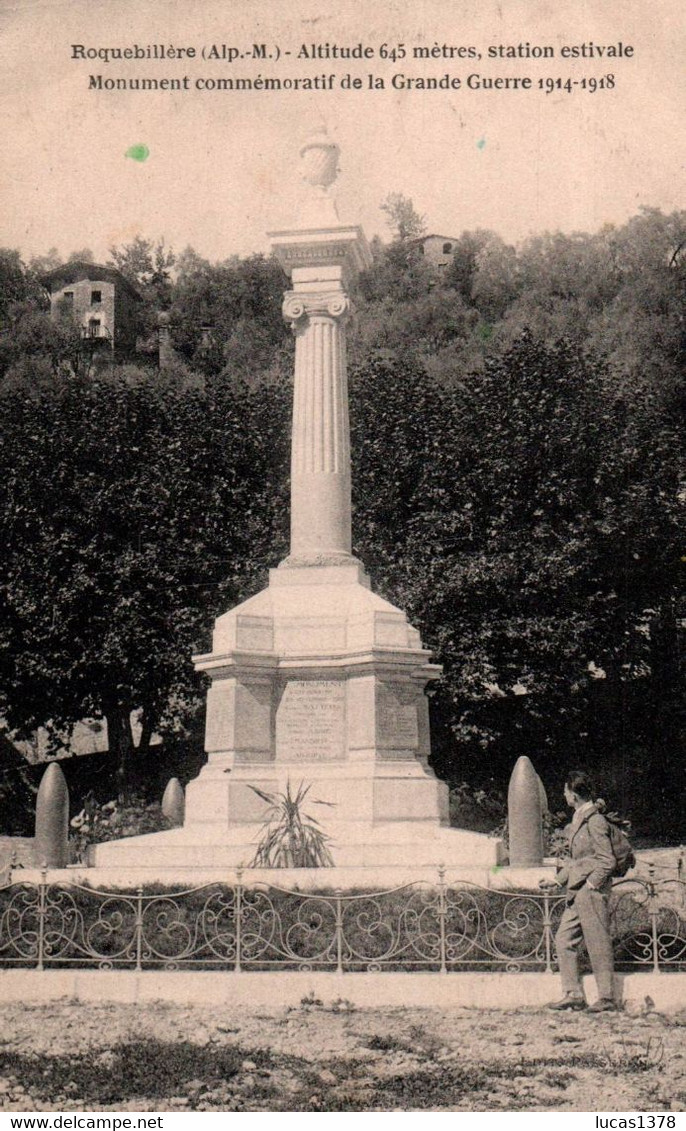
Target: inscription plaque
(310,721)
(399,725)
(219,726)
(397,719)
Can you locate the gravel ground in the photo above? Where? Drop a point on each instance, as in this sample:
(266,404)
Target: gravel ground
(323,1056)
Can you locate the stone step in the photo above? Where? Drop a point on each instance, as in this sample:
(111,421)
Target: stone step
(345,879)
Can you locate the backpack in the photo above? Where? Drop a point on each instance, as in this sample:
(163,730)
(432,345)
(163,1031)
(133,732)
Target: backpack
(621,846)
(625,858)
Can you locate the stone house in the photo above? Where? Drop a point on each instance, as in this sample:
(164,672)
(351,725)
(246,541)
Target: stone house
(101,301)
(437,250)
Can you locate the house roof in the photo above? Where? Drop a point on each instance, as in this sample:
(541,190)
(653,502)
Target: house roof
(95,272)
(434,236)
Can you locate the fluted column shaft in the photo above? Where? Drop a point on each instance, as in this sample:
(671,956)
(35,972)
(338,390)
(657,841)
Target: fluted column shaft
(320,452)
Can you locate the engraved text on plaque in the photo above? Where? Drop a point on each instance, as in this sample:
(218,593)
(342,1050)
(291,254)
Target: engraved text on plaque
(310,721)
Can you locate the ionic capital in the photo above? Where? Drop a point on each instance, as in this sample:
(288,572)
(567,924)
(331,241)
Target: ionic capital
(331,304)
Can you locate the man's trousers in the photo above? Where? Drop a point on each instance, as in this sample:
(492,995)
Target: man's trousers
(587,918)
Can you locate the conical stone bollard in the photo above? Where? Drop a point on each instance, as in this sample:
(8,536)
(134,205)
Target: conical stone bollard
(174,802)
(524,816)
(52,819)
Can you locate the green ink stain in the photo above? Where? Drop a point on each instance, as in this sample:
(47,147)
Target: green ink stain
(138,153)
(481,143)
(497,868)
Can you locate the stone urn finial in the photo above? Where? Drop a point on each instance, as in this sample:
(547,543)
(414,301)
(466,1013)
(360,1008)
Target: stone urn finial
(318,171)
(319,160)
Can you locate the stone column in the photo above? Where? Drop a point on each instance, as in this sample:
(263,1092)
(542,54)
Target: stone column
(320,452)
(320,255)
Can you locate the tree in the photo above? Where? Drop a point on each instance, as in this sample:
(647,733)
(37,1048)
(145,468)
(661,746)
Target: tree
(485,272)
(434,327)
(618,294)
(41,264)
(83,255)
(144,263)
(528,521)
(148,266)
(33,346)
(134,512)
(402,218)
(18,286)
(36,347)
(640,326)
(190,263)
(226,319)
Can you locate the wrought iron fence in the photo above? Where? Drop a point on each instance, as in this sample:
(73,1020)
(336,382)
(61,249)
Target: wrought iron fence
(442,927)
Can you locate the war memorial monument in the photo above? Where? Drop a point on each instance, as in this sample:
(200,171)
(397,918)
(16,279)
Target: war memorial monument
(316,679)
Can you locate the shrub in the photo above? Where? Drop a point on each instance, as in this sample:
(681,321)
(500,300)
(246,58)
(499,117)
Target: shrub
(480,810)
(290,837)
(114,820)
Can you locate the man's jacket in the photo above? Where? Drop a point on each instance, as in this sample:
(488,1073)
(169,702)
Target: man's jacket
(592,859)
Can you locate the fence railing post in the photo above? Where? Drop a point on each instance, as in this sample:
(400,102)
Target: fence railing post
(654,911)
(442,913)
(339,931)
(139,927)
(547,933)
(239,916)
(42,906)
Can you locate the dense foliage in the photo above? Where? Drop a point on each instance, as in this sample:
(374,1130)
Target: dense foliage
(136,508)
(530,525)
(518,442)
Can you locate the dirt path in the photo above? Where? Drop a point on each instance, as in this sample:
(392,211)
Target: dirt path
(333,1057)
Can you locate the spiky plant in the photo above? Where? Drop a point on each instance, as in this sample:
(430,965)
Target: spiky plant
(291,838)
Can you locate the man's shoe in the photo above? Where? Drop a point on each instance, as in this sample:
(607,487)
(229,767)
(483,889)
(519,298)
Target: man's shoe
(603,1005)
(569,1001)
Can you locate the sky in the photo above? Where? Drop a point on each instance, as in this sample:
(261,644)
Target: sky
(221,168)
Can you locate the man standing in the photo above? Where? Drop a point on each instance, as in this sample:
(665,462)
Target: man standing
(588,876)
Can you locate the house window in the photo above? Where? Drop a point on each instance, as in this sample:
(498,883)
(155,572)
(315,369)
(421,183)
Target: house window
(447,248)
(96,296)
(93,327)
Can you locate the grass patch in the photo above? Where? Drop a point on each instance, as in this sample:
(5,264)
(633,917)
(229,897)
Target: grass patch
(560,1080)
(155,1069)
(388,1044)
(433,1087)
(213,1077)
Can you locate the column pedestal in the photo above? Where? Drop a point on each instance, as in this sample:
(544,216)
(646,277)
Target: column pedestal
(319,680)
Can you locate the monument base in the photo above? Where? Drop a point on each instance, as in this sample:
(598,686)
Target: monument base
(316,682)
(203,849)
(345,794)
